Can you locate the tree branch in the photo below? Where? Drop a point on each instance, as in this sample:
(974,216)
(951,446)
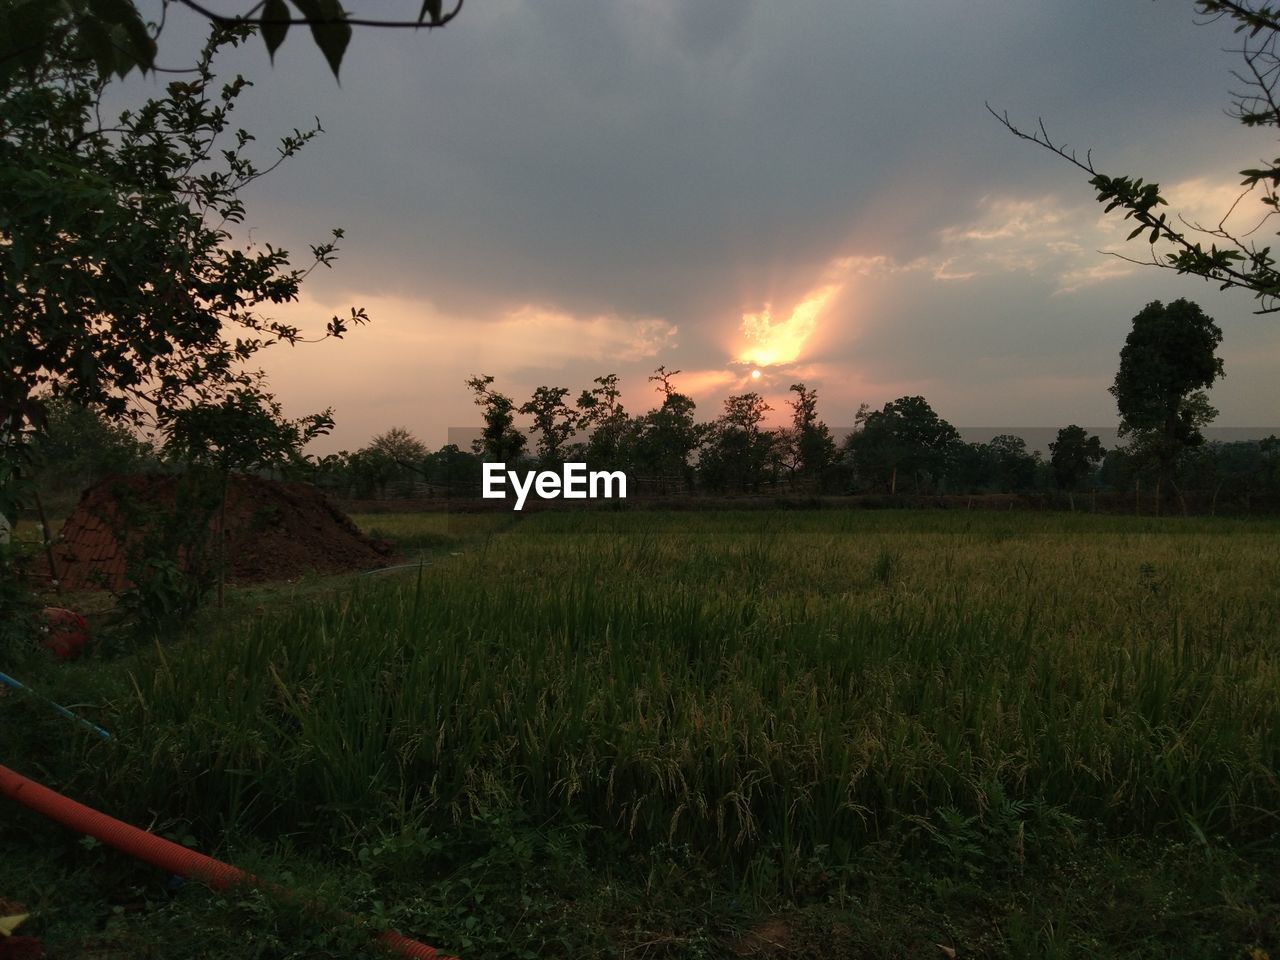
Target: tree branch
(248,18)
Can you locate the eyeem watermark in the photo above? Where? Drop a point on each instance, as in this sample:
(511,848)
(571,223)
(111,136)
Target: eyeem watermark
(573,482)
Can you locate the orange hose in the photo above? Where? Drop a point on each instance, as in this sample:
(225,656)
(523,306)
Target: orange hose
(158,852)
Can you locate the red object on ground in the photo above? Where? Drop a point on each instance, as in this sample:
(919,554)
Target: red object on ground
(67,634)
(162,853)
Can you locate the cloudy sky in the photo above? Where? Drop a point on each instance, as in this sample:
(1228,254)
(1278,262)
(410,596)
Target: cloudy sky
(551,191)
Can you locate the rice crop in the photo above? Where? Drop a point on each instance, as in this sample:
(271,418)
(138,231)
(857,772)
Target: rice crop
(741,683)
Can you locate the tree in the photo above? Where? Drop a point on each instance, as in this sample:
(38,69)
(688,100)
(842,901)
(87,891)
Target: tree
(500,441)
(815,449)
(454,469)
(113,37)
(396,454)
(1167,359)
(1074,456)
(1231,260)
(738,450)
(79,447)
(668,435)
(601,414)
(1012,467)
(243,430)
(120,285)
(555,421)
(400,445)
(905,436)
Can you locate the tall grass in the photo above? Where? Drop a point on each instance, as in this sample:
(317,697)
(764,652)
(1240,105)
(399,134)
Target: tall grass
(741,683)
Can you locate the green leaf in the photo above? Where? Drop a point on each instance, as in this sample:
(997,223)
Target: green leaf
(275,24)
(94,40)
(329,28)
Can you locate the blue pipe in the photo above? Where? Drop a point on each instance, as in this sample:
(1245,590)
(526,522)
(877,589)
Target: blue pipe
(9,681)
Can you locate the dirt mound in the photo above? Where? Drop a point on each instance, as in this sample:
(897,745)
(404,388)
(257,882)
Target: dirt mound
(274,531)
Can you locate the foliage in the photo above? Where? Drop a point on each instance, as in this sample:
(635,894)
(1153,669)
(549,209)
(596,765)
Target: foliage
(555,421)
(737,453)
(1074,455)
(172,561)
(905,436)
(112,36)
(1012,467)
(121,285)
(815,449)
(78,447)
(500,441)
(1217,253)
(399,444)
(668,436)
(243,430)
(395,455)
(609,428)
(19,609)
(1168,356)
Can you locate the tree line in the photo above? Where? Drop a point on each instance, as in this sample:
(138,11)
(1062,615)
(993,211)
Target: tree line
(904,447)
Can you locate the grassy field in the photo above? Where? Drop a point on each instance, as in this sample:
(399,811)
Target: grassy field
(641,734)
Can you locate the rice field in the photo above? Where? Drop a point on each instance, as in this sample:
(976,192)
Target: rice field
(754,686)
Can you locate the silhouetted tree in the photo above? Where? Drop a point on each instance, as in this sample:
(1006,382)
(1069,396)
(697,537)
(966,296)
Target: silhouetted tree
(553,419)
(905,437)
(79,447)
(1074,456)
(1168,357)
(122,289)
(455,469)
(738,451)
(815,449)
(610,430)
(500,441)
(1012,467)
(668,435)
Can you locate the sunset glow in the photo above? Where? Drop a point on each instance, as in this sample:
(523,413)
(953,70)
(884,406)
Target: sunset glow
(770,342)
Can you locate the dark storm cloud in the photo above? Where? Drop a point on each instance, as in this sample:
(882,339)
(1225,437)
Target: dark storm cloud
(689,161)
(638,154)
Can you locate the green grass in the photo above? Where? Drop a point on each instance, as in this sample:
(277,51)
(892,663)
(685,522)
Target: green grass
(428,531)
(885,722)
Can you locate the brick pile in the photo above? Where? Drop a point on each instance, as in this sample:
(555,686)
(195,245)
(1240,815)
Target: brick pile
(274,532)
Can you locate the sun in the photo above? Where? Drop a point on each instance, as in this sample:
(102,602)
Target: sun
(755,374)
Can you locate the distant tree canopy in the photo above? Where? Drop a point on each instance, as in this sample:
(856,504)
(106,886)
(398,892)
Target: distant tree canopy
(400,446)
(78,447)
(905,438)
(1074,455)
(903,448)
(1214,252)
(555,421)
(1169,357)
(500,441)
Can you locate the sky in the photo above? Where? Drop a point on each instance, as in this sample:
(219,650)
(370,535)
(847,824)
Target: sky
(552,191)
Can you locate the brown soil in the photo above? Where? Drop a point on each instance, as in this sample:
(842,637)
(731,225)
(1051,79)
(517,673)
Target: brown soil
(274,531)
(768,939)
